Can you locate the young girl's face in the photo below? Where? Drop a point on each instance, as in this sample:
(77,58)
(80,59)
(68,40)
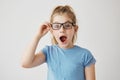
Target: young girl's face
(63,30)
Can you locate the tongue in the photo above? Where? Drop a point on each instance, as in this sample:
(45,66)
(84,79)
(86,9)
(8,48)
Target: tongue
(63,38)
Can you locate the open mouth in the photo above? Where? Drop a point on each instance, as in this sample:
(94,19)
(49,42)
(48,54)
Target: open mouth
(63,38)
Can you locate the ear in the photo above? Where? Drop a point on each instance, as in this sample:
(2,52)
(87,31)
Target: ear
(76,28)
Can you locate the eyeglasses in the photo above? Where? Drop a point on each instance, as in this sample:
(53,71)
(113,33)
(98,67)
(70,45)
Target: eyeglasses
(66,25)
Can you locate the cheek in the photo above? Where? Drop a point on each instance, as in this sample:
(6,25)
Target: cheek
(71,34)
(55,33)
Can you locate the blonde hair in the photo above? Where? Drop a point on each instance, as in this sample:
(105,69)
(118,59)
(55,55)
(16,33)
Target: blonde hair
(60,10)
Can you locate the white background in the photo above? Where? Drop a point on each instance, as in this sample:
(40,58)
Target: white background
(99,31)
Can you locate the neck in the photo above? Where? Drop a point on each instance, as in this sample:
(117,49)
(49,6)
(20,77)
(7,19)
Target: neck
(66,46)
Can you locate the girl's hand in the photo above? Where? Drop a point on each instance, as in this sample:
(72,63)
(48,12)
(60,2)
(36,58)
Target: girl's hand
(43,29)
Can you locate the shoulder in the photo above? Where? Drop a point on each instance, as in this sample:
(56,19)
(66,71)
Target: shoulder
(50,47)
(48,50)
(87,56)
(83,50)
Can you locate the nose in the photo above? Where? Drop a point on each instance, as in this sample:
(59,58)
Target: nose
(62,30)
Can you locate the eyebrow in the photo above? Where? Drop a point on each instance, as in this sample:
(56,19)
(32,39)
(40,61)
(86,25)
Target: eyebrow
(61,23)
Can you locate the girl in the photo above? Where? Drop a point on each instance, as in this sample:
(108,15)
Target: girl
(65,60)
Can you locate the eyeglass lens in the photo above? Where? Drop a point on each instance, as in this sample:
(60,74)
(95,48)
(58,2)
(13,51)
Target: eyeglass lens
(67,25)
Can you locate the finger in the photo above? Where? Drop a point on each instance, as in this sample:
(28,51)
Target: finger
(48,25)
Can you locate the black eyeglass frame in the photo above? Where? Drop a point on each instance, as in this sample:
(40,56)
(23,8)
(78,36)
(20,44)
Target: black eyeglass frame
(62,24)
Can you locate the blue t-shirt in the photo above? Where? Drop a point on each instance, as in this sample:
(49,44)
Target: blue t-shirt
(67,64)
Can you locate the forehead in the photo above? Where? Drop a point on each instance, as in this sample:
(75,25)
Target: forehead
(61,18)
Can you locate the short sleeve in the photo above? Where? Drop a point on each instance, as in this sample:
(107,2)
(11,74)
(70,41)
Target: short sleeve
(45,51)
(89,59)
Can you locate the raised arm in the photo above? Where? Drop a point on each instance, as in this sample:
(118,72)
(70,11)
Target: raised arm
(30,58)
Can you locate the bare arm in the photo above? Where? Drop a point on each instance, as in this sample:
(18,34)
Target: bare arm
(90,72)
(30,58)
